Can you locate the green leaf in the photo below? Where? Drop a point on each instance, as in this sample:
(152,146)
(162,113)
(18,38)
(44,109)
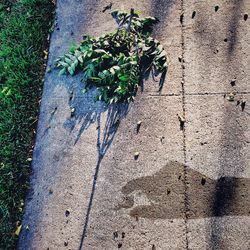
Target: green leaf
(62,72)
(116,62)
(123,78)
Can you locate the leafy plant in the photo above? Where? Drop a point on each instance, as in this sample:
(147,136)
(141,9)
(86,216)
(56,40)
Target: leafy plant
(117,62)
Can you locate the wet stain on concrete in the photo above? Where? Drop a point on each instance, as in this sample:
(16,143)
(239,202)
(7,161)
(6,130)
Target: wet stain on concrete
(164,195)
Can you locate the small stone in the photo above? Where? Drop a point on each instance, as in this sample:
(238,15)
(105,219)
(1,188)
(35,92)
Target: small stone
(115,234)
(72,112)
(230,97)
(193,14)
(245,17)
(67,213)
(119,245)
(136,155)
(203,181)
(182,120)
(243,105)
(216,8)
(138,126)
(66,243)
(233,82)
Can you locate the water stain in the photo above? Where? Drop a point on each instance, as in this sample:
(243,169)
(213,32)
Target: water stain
(164,195)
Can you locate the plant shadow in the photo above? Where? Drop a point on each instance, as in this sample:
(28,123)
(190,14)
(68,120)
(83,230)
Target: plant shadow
(85,112)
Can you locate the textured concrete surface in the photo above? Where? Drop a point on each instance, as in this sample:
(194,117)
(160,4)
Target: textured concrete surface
(188,189)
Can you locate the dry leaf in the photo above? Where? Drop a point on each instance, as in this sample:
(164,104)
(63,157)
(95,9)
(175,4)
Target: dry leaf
(18,230)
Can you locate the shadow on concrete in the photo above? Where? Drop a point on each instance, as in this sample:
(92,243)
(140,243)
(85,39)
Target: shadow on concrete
(160,9)
(107,119)
(228,195)
(233,26)
(163,194)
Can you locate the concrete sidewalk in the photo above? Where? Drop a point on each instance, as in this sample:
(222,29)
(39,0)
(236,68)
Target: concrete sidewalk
(189,189)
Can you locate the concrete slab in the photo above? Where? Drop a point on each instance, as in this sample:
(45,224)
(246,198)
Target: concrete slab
(216,46)
(136,198)
(217,136)
(218,177)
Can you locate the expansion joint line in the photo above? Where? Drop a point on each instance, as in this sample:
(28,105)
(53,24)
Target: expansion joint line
(184,116)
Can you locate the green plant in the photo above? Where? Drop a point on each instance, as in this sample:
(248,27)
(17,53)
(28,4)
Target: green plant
(117,62)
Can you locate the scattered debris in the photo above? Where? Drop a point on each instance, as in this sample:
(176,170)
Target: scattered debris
(71,94)
(119,245)
(29,159)
(115,234)
(216,8)
(203,181)
(108,7)
(138,126)
(153,247)
(162,138)
(136,155)
(182,120)
(67,213)
(50,191)
(66,243)
(45,54)
(18,229)
(193,14)
(216,51)
(123,235)
(203,143)
(225,40)
(245,17)
(233,82)
(243,105)
(231,97)
(72,112)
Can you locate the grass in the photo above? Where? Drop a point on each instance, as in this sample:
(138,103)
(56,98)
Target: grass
(24,28)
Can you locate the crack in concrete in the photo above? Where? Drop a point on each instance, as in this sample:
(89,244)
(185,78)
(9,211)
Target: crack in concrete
(184,116)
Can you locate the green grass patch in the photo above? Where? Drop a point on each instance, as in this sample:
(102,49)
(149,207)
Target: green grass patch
(24,28)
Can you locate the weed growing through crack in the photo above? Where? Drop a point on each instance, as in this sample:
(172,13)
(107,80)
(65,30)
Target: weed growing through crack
(116,63)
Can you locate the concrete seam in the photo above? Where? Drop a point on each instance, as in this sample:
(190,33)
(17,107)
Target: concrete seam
(184,116)
(200,94)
